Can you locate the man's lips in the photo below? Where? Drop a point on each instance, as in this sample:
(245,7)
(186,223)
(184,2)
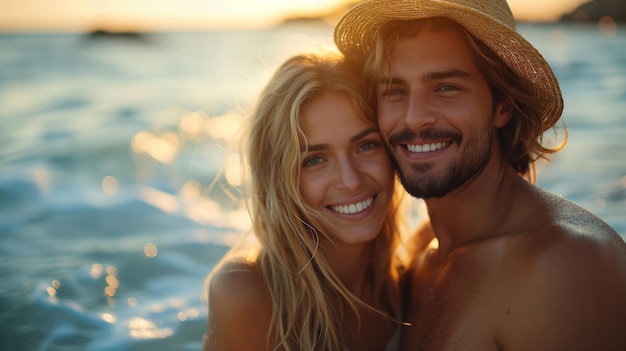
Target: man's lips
(428,140)
(429,147)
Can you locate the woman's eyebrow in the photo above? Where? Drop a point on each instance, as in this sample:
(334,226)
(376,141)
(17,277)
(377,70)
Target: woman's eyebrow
(317,147)
(364,133)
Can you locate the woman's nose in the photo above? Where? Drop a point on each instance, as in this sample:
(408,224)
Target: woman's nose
(348,174)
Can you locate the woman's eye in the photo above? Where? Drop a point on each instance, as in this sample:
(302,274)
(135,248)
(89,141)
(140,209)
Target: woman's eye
(369,145)
(312,161)
(391,92)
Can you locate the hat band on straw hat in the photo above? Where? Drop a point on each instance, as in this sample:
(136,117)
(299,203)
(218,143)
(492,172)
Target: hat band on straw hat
(491,21)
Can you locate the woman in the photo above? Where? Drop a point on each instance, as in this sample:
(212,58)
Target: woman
(324,208)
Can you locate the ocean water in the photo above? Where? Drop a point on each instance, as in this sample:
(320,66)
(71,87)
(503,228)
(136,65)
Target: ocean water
(109,217)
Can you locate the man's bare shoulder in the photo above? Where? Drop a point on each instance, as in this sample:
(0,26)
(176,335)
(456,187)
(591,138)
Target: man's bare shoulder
(572,247)
(582,251)
(569,283)
(559,231)
(575,236)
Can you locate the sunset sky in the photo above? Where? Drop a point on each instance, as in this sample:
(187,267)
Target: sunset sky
(63,15)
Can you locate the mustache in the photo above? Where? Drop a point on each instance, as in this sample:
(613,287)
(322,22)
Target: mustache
(406,136)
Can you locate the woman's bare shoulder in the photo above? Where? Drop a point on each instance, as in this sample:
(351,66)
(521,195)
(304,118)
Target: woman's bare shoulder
(238,300)
(237,279)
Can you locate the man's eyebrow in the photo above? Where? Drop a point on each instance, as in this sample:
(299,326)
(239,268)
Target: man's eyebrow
(452,73)
(317,147)
(430,76)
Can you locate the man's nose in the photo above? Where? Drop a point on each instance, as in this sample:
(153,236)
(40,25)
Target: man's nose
(419,111)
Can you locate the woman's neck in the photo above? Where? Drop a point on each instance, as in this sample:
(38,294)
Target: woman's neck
(349,263)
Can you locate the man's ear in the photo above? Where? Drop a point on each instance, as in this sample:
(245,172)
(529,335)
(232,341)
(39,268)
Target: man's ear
(503,113)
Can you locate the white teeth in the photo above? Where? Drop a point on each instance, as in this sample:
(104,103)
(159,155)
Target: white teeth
(353,208)
(426,147)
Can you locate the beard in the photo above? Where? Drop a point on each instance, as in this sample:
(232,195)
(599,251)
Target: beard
(420,181)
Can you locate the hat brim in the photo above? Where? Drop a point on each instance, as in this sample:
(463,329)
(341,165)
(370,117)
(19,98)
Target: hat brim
(356,32)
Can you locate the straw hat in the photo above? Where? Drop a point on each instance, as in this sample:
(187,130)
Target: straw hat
(491,21)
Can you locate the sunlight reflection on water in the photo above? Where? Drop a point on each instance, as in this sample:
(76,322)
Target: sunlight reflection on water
(120,183)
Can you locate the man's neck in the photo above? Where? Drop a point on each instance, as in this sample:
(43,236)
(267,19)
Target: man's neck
(475,211)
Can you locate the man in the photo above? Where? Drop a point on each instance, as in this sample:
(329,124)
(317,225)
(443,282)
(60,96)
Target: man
(463,101)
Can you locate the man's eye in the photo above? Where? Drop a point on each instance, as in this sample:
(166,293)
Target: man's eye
(448,87)
(390,91)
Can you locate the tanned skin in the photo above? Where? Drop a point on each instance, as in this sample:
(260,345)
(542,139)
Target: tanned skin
(512,267)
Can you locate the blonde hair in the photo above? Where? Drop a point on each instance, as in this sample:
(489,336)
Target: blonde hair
(307,298)
(521,140)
